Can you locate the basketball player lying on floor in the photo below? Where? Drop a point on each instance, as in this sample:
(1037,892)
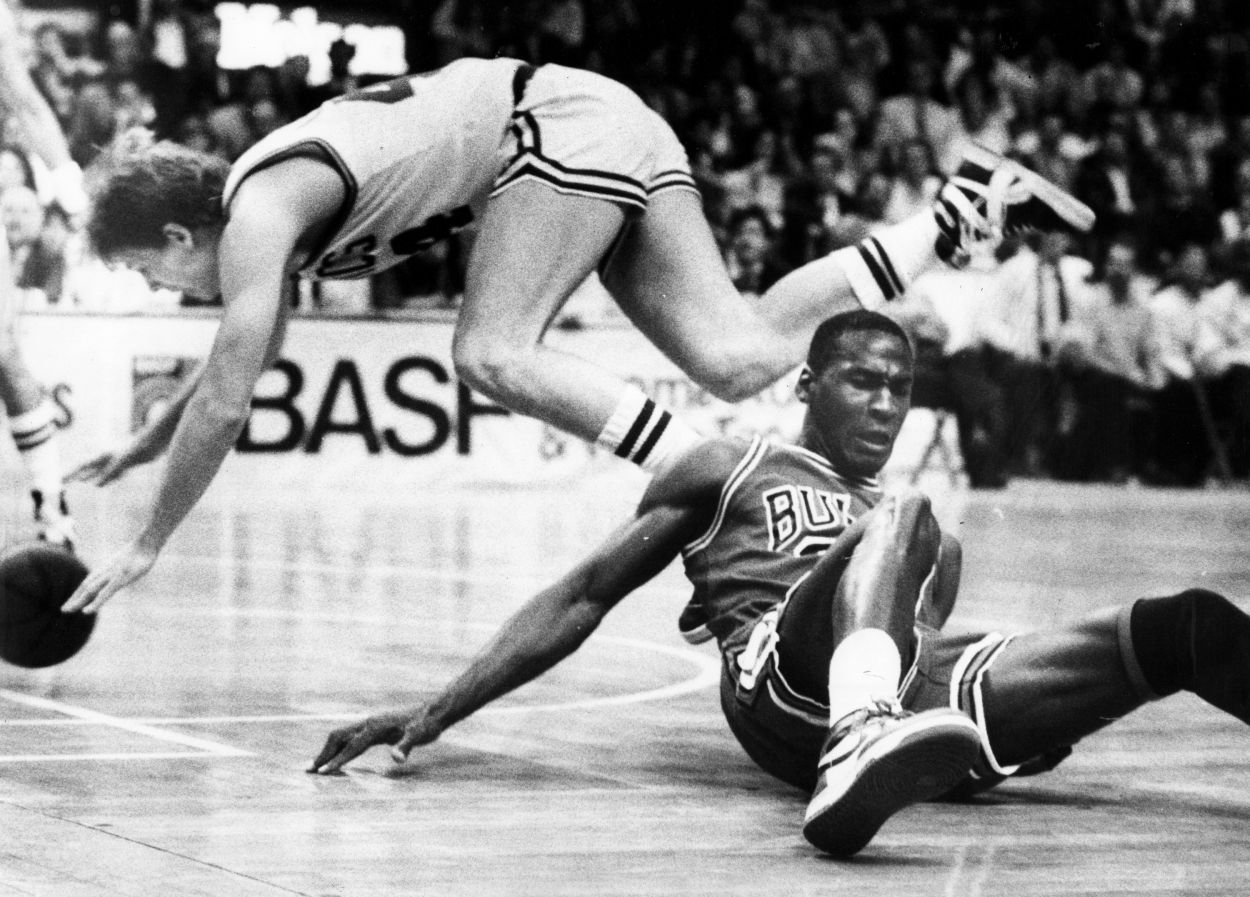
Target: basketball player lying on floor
(560,172)
(826,599)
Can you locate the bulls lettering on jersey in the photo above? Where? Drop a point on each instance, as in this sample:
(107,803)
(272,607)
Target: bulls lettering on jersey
(782,508)
(805,520)
(416,168)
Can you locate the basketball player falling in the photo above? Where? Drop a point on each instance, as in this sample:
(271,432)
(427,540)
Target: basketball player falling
(31,412)
(560,172)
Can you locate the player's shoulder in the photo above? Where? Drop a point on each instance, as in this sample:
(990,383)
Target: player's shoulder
(699,474)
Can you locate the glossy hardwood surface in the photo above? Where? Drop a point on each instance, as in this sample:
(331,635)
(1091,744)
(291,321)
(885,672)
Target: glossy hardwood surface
(167,758)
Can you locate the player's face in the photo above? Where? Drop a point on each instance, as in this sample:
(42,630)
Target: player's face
(857,406)
(185,264)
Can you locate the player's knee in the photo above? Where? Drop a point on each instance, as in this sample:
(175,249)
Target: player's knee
(905,519)
(727,376)
(497,371)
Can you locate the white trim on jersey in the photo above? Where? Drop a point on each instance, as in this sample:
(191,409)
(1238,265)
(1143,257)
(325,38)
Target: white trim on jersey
(866,482)
(754,454)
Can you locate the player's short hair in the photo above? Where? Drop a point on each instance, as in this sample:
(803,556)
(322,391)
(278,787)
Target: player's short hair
(138,186)
(826,341)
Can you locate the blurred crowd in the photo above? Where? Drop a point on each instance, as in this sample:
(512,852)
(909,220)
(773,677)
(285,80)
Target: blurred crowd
(1123,355)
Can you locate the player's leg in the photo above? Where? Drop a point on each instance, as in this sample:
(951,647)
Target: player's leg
(1047,690)
(535,247)
(857,620)
(668,276)
(33,425)
(42,133)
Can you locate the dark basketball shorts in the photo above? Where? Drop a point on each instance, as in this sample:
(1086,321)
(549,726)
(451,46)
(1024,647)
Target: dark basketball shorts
(783,731)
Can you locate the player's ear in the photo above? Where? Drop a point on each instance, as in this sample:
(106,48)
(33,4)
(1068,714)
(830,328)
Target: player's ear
(177,235)
(803,389)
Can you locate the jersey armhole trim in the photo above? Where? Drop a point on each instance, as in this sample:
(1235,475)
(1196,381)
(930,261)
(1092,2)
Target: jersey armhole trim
(754,454)
(313,148)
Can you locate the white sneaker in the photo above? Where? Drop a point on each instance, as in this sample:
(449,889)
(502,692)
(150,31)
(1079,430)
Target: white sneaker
(53,521)
(879,760)
(991,197)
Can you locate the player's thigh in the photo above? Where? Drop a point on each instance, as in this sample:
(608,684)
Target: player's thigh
(534,248)
(668,277)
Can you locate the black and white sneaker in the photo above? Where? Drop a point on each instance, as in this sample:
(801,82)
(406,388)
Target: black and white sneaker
(53,522)
(879,760)
(990,198)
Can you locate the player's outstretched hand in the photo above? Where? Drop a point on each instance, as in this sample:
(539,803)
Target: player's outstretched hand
(103,584)
(405,729)
(108,466)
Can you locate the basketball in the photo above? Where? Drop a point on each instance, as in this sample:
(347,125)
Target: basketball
(35,580)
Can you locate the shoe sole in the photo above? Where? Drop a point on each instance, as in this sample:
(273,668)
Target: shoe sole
(926,763)
(1077,215)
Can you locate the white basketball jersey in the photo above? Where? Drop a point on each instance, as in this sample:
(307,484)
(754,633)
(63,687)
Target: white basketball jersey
(418,157)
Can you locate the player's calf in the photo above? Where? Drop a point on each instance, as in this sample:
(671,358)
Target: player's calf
(1197,641)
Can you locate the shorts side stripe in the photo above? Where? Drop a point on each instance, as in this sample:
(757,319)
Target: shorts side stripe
(979,716)
(533,157)
(795,711)
(594,191)
(537,146)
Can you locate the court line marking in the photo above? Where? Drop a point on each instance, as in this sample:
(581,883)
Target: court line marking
(52,758)
(201,744)
(708,674)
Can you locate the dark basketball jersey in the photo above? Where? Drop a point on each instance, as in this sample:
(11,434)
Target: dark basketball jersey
(781,509)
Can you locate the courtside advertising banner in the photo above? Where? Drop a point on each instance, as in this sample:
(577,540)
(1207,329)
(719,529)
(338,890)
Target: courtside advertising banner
(358,403)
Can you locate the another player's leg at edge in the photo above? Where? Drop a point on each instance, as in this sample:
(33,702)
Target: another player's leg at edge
(665,261)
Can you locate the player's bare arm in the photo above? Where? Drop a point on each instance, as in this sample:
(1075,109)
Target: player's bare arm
(278,211)
(676,509)
(150,443)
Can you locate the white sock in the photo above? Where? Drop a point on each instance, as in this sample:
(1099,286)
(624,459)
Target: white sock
(865,668)
(882,266)
(641,431)
(35,433)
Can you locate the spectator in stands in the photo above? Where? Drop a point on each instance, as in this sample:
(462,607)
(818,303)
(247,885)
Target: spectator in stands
(915,186)
(943,313)
(1113,83)
(38,266)
(1226,160)
(1178,215)
(984,118)
(1052,80)
(1112,181)
(761,182)
(1181,451)
(866,214)
(1115,368)
(1030,317)
(1224,356)
(753,266)
(1235,221)
(918,115)
(1052,151)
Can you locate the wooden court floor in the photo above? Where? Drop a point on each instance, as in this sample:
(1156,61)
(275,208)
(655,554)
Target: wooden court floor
(167,758)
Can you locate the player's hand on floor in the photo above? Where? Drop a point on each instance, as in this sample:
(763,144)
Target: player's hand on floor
(405,729)
(103,584)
